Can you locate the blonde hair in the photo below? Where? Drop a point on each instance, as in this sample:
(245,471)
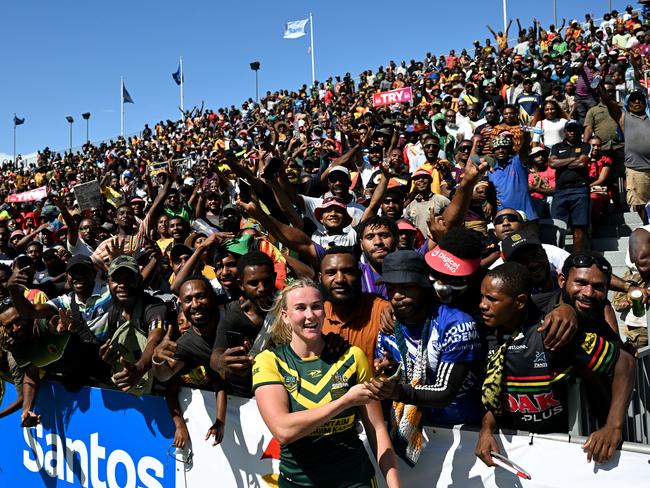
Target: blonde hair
(280,330)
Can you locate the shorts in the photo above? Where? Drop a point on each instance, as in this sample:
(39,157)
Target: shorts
(637,336)
(571,203)
(637,185)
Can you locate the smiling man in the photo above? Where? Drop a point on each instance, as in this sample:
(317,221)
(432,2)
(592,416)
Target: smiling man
(349,313)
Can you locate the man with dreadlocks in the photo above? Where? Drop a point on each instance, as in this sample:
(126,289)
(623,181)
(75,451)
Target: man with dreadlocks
(525,383)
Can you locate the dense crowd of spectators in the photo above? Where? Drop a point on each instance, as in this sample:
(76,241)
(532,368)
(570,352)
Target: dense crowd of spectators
(420,222)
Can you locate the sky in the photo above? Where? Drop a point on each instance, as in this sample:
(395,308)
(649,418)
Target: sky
(66,57)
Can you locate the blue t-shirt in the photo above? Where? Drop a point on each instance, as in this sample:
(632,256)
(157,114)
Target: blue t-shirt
(451,337)
(511,184)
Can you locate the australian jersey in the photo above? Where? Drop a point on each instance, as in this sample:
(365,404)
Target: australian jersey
(534,387)
(333,454)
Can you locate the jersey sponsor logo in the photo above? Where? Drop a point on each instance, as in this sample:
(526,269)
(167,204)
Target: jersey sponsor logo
(540,360)
(334,426)
(314,373)
(518,347)
(464,332)
(535,403)
(589,343)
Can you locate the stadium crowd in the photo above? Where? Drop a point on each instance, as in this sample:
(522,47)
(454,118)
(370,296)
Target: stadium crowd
(399,245)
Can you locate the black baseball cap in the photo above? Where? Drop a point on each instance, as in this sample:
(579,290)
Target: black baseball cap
(514,242)
(79,260)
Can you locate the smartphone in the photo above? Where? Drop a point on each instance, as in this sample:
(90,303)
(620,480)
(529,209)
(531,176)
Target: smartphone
(245,190)
(234,338)
(272,168)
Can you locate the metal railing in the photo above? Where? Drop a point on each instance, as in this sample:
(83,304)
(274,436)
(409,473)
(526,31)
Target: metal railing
(637,424)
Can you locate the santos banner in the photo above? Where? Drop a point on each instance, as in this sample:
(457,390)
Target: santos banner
(106,439)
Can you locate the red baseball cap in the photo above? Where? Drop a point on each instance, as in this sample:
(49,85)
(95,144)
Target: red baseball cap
(446,263)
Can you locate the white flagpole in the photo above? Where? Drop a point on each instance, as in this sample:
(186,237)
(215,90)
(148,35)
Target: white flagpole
(311,31)
(505,17)
(182,101)
(122,106)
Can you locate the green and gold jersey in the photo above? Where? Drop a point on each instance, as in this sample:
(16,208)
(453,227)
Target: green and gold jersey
(332,455)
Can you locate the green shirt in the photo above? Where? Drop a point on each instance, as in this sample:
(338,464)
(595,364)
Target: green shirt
(332,455)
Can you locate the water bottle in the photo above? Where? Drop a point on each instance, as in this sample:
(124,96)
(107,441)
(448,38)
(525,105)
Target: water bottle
(595,82)
(532,129)
(202,227)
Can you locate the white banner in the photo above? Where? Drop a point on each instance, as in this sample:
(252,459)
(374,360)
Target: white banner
(295,29)
(447,459)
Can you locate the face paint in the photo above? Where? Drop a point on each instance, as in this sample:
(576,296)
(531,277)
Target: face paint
(446,293)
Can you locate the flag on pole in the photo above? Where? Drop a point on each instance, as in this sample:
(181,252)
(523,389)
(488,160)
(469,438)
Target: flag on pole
(295,29)
(126,98)
(18,121)
(178,75)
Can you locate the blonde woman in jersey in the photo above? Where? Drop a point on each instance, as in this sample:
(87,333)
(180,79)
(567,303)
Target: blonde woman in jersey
(311,398)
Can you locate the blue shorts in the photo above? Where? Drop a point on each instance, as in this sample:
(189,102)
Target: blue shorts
(571,205)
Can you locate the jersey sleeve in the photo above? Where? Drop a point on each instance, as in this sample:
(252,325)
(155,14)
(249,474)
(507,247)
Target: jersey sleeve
(364,370)
(265,370)
(594,353)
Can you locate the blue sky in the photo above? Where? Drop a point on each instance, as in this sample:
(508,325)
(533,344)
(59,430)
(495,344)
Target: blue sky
(66,57)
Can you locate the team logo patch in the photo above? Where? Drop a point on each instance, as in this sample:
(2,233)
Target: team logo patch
(291,383)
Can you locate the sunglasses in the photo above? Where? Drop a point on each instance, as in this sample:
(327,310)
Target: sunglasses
(430,146)
(464,149)
(509,217)
(587,261)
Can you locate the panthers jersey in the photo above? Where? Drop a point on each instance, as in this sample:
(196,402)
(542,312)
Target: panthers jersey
(332,455)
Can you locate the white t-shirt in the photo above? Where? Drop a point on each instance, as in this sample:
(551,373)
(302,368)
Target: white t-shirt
(556,257)
(553,132)
(81,248)
(348,238)
(311,204)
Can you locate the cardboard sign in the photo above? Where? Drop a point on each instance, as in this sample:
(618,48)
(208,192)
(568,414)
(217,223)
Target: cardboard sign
(401,95)
(88,195)
(28,196)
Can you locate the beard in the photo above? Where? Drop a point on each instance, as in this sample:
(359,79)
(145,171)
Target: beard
(585,316)
(355,291)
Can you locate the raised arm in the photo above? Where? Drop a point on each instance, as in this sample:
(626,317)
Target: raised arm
(294,239)
(491,31)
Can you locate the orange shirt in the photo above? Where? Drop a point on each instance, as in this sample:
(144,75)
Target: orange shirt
(360,326)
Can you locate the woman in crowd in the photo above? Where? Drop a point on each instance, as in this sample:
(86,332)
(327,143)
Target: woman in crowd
(549,122)
(310,399)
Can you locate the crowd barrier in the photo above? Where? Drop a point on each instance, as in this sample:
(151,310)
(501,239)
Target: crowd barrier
(108,439)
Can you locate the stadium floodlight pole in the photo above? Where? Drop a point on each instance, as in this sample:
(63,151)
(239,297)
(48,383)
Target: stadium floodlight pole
(255,66)
(311,31)
(121,106)
(70,121)
(182,98)
(86,117)
(555,12)
(505,16)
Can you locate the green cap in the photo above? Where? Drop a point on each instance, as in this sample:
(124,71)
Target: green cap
(42,350)
(123,262)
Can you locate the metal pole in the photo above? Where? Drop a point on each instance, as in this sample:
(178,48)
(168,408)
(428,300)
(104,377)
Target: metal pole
(257,95)
(311,30)
(182,98)
(122,106)
(14,139)
(70,137)
(87,138)
(610,5)
(555,13)
(505,16)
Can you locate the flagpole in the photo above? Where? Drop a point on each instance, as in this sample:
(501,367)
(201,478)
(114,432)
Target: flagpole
(182,101)
(122,106)
(311,31)
(14,139)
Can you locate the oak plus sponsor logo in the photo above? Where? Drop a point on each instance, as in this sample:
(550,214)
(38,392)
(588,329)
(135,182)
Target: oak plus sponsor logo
(86,462)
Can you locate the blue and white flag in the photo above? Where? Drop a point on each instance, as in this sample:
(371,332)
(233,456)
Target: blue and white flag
(126,98)
(177,75)
(295,29)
